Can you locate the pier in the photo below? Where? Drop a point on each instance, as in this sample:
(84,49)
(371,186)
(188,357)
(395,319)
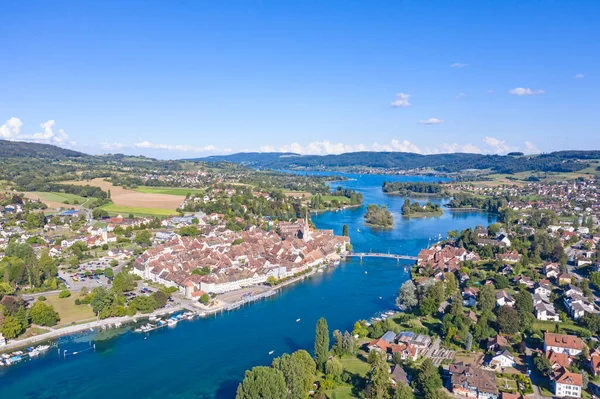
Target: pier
(362,255)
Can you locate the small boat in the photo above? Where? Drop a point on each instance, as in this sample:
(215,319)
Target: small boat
(358,230)
(380,297)
(172,322)
(366,272)
(297,320)
(271,352)
(320,271)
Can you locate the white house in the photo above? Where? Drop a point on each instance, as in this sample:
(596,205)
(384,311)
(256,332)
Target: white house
(566,383)
(504,298)
(503,359)
(563,343)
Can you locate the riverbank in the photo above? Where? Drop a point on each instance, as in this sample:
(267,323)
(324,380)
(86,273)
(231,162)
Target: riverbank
(423,214)
(319,211)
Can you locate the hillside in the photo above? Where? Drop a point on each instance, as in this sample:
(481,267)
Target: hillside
(562,161)
(21,149)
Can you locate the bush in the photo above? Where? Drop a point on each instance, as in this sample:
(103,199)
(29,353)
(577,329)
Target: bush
(64,294)
(41,298)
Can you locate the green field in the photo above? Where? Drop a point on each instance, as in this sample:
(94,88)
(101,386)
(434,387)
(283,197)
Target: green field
(182,191)
(72,199)
(113,209)
(68,311)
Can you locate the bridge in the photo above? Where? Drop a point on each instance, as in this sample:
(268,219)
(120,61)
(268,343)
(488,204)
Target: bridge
(362,255)
(465,210)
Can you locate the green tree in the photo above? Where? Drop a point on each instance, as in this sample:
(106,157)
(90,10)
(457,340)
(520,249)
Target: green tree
(298,371)
(428,379)
(262,383)
(508,320)
(44,315)
(123,282)
(143,238)
(345,230)
(160,298)
(403,391)
(64,294)
(271,280)
(109,272)
(487,298)
(321,343)
(333,368)
(11,328)
(144,304)
(204,299)
(380,378)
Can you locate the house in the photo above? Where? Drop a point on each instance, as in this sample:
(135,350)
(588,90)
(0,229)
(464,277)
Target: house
(399,375)
(503,298)
(472,382)
(503,240)
(566,383)
(469,296)
(502,360)
(551,270)
(595,363)
(509,257)
(524,280)
(545,311)
(563,343)
(497,343)
(558,360)
(380,345)
(543,289)
(564,278)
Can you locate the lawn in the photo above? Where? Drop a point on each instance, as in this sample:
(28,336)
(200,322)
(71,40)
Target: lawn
(355,365)
(565,328)
(182,191)
(68,311)
(72,199)
(126,210)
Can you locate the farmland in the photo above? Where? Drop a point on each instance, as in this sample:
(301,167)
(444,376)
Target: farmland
(113,209)
(57,200)
(181,191)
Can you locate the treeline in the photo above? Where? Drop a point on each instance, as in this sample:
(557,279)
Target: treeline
(489,204)
(379,216)
(408,188)
(347,197)
(563,161)
(41,185)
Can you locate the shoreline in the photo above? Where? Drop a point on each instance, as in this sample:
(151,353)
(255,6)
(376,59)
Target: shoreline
(423,214)
(54,334)
(317,211)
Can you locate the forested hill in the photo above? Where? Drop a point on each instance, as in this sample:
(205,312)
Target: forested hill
(21,149)
(562,161)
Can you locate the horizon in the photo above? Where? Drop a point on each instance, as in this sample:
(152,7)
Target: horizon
(199,79)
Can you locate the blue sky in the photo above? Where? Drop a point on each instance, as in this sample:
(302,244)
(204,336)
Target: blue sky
(193,78)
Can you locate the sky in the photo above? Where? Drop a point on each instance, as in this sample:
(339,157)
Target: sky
(185,79)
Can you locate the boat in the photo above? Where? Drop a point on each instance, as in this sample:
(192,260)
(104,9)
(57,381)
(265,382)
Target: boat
(366,272)
(271,352)
(152,318)
(172,322)
(380,297)
(358,230)
(320,271)
(297,320)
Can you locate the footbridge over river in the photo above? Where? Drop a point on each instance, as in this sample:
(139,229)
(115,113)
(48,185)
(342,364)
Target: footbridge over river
(362,255)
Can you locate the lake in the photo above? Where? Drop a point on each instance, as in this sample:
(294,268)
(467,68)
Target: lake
(207,358)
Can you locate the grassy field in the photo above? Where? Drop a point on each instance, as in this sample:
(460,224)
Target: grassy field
(58,199)
(68,311)
(353,365)
(137,211)
(565,328)
(182,191)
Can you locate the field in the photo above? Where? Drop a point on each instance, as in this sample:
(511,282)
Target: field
(132,201)
(57,200)
(182,191)
(138,211)
(68,311)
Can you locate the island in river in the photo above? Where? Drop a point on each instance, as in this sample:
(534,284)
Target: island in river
(415,209)
(379,216)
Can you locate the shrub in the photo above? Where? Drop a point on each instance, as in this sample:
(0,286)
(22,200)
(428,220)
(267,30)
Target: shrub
(64,294)
(41,298)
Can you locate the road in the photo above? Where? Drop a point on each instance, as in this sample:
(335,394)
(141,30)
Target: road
(535,378)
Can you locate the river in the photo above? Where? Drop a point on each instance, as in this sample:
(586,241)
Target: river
(206,358)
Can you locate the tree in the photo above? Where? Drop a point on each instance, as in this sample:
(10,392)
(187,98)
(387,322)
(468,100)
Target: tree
(333,368)
(428,379)
(271,280)
(403,391)
(487,298)
(380,378)
(345,230)
(11,328)
(360,329)
(64,294)
(204,299)
(143,238)
(262,383)
(321,343)
(469,341)
(44,315)
(431,301)
(298,371)
(160,298)
(508,320)
(144,304)
(407,295)
(542,365)
(123,282)
(109,272)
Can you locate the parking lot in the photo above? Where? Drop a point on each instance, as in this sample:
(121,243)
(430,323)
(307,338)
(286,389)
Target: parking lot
(89,274)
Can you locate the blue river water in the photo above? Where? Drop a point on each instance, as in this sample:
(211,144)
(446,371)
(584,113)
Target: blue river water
(207,358)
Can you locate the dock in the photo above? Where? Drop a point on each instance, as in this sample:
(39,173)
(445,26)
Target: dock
(362,255)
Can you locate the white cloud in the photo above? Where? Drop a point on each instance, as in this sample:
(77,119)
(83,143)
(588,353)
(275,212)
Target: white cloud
(396,145)
(402,100)
(461,96)
(111,146)
(497,146)
(50,136)
(176,147)
(490,91)
(578,76)
(454,147)
(458,65)
(520,91)
(11,129)
(267,148)
(531,148)
(430,121)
